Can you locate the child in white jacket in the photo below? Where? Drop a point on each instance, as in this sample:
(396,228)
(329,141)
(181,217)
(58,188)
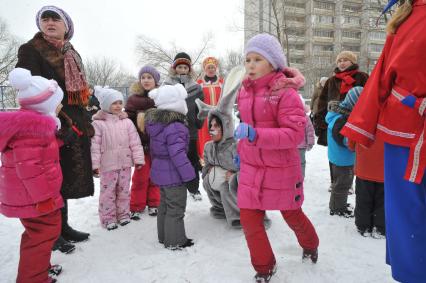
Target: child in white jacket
(116,146)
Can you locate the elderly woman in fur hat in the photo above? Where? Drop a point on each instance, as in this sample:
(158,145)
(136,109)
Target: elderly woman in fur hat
(51,55)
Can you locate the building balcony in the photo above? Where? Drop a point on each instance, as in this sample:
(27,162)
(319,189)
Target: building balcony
(294,10)
(295,24)
(350,40)
(296,52)
(320,39)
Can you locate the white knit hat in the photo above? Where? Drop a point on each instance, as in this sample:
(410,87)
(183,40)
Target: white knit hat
(170,97)
(36,93)
(107,96)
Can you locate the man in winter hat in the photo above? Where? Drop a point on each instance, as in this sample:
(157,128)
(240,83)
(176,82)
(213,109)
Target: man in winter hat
(150,70)
(107,96)
(37,93)
(182,58)
(269,47)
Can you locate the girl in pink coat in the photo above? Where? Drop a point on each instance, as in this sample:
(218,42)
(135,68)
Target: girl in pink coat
(30,173)
(273,125)
(116,147)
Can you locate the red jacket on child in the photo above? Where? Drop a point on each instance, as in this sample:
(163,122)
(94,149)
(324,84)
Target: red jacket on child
(30,173)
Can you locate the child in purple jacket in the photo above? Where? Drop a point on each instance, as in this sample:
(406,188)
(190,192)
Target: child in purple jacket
(171,169)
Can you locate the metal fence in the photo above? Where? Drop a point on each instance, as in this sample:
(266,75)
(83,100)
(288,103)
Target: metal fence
(9,102)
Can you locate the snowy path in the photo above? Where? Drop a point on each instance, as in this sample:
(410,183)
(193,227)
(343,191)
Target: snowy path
(132,253)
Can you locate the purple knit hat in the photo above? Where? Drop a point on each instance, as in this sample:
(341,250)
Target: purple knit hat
(152,71)
(269,47)
(69,25)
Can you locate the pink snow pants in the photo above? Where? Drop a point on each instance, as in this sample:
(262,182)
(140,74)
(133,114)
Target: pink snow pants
(114,198)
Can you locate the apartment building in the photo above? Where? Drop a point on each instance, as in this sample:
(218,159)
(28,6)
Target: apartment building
(313,32)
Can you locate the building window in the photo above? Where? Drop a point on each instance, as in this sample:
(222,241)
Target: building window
(297,47)
(297,60)
(375,47)
(295,32)
(324,33)
(324,19)
(322,60)
(377,35)
(295,4)
(351,34)
(295,19)
(352,7)
(324,5)
(319,48)
(351,20)
(353,48)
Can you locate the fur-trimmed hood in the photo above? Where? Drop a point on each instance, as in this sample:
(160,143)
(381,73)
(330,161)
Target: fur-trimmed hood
(102,115)
(136,88)
(25,123)
(163,116)
(288,78)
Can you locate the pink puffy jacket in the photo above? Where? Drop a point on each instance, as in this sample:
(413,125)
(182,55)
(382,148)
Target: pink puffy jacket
(116,143)
(270,173)
(30,172)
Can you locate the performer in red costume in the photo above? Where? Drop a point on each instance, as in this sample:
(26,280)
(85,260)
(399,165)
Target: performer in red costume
(212,87)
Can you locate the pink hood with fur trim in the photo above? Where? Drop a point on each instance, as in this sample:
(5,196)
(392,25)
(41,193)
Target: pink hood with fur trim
(30,172)
(270,170)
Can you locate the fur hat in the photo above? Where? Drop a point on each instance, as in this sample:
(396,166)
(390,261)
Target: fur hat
(269,47)
(147,69)
(170,97)
(69,25)
(182,58)
(351,97)
(210,61)
(107,96)
(36,93)
(348,55)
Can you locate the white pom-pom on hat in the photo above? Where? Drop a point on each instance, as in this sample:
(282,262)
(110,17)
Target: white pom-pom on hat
(20,78)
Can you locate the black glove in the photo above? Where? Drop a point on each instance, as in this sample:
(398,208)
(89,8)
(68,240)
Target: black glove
(338,126)
(192,185)
(67,135)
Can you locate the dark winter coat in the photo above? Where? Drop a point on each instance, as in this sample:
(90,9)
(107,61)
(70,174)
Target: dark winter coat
(139,102)
(194,91)
(331,91)
(169,139)
(42,59)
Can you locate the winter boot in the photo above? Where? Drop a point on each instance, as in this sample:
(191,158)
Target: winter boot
(63,246)
(152,211)
(188,243)
(124,222)
(376,233)
(111,226)
(310,254)
(68,233)
(136,215)
(54,271)
(265,278)
(196,196)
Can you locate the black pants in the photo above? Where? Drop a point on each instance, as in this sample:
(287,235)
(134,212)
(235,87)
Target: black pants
(195,161)
(343,177)
(370,205)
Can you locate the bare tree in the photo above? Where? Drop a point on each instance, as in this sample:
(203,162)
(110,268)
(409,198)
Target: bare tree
(229,61)
(8,51)
(104,71)
(150,51)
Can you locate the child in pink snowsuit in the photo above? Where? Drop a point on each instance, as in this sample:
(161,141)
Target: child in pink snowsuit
(30,173)
(116,146)
(273,125)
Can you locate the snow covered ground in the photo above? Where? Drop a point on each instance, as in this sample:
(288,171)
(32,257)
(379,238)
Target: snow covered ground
(220,254)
